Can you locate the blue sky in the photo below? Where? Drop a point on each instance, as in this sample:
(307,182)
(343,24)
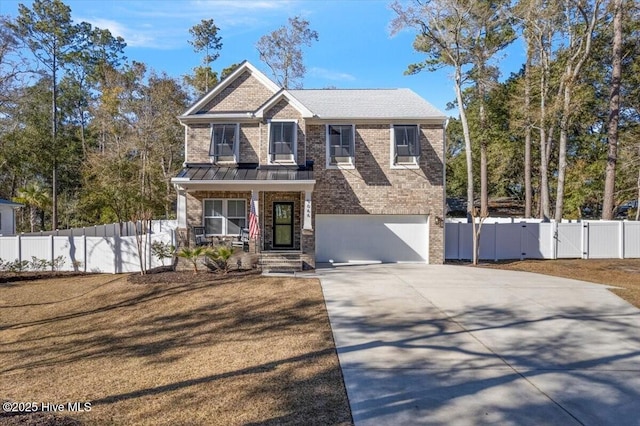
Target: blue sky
(355,49)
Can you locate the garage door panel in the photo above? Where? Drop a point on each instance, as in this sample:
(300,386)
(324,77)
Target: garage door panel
(386,238)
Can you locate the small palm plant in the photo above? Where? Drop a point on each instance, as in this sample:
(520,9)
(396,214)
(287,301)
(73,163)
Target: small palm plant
(220,258)
(193,255)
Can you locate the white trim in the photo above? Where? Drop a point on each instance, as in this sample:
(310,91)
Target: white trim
(295,142)
(392,145)
(225,214)
(236,143)
(247,116)
(186,147)
(244,66)
(345,166)
(282,94)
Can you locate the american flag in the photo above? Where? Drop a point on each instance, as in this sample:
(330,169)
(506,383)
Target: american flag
(254,227)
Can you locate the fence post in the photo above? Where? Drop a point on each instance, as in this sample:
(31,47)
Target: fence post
(621,239)
(51,244)
(495,242)
(554,240)
(523,234)
(459,242)
(19,247)
(584,241)
(84,248)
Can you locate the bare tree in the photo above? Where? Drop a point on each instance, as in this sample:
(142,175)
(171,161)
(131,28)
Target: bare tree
(614,113)
(581,17)
(281,51)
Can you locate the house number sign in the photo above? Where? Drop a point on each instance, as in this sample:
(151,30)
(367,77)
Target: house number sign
(307,210)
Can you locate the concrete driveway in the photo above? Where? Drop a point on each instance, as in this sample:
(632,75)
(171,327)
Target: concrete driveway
(432,344)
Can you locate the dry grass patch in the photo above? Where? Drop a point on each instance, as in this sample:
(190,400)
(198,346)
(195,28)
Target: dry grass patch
(197,350)
(622,273)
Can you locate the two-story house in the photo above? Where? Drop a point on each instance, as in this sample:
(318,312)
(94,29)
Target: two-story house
(332,175)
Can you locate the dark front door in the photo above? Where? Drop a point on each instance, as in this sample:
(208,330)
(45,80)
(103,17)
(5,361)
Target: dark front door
(282,225)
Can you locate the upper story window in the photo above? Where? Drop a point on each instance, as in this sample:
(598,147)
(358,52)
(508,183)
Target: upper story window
(282,141)
(405,144)
(224,143)
(340,145)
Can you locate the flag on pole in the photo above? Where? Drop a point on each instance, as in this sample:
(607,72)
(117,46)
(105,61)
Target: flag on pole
(254,227)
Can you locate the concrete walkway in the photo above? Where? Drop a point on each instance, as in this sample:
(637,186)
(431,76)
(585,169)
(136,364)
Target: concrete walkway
(429,344)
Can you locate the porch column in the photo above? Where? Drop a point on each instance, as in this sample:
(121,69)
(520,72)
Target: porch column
(307,210)
(182,208)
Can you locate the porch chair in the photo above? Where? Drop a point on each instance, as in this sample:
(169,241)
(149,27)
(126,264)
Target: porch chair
(243,240)
(199,236)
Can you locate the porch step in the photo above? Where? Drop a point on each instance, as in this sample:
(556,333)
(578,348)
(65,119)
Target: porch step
(281,261)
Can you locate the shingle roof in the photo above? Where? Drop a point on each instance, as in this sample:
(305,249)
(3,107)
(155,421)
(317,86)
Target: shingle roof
(366,103)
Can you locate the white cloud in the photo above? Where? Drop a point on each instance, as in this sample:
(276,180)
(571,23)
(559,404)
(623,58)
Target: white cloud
(166,24)
(133,37)
(319,72)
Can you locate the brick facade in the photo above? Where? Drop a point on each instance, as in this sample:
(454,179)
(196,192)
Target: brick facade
(245,93)
(372,187)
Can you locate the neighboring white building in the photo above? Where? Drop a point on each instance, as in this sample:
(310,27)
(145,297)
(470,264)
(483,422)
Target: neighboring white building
(8,217)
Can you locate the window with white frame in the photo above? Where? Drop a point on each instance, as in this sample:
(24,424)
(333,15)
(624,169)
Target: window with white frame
(405,145)
(340,145)
(224,143)
(282,141)
(224,216)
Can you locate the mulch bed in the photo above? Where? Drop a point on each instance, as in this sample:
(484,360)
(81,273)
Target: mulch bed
(10,277)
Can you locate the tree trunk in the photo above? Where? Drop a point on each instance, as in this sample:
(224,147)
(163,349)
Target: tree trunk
(614,114)
(54,148)
(484,195)
(467,140)
(527,135)
(544,162)
(581,51)
(638,198)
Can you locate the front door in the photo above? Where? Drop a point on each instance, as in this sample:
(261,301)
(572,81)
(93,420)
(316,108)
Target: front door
(282,225)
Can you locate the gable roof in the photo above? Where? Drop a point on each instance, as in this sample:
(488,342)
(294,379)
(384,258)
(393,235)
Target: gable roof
(244,66)
(322,103)
(284,94)
(366,103)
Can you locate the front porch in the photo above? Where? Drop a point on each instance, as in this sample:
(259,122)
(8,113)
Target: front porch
(211,198)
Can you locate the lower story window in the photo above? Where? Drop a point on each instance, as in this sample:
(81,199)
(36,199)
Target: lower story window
(224,216)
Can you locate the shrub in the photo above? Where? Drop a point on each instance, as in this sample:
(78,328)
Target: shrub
(193,255)
(57,263)
(162,250)
(219,258)
(38,264)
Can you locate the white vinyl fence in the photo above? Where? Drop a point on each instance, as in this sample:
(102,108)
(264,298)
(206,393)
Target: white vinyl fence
(536,240)
(125,229)
(109,253)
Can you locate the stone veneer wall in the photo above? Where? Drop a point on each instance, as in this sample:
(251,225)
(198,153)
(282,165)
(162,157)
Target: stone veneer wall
(373,187)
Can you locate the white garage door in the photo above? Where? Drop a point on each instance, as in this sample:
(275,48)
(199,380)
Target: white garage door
(386,238)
